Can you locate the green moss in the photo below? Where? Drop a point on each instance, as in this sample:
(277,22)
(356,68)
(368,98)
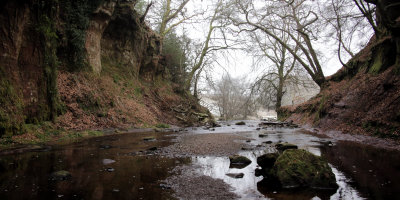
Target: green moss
(377,65)
(138,92)
(320,112)
(162,126)
(300,168)
(11,108)
(283,114)
(77,17)
(94,133)
(47,12)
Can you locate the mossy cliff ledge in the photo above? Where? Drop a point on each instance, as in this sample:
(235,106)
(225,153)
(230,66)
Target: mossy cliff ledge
(89,64)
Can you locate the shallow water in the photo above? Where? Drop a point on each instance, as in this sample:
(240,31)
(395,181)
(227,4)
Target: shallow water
(362,172)
(249,186)
(134,174)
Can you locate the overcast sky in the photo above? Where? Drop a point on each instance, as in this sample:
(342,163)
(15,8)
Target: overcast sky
(238,63)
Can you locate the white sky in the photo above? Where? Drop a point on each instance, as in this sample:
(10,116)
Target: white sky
(239,64)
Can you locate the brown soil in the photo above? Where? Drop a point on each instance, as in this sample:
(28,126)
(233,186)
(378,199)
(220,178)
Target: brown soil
(367,104)
(94,102)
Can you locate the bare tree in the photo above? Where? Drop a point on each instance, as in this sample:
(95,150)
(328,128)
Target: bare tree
(232,98)
(278,67)
(216,22)
(300,24)
(347,25)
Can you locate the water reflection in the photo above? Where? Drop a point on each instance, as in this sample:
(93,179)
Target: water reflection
(134,174)
(218,167)
(375,172)
(251,187)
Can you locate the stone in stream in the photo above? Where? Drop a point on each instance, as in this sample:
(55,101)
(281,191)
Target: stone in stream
(105,146)
(108,161)
(285,146)
(38,148)
(152,149)
(241,123)
(267,161)
(296,168)
(61,175)
(239,162)
(165,186)
(268,142)
(149,139)
(235,175)
(262,135)
(110,169)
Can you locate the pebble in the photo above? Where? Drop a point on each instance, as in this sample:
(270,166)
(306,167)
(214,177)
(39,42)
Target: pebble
(110,169)
(108,161)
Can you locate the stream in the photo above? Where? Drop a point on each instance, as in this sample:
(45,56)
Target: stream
(134,166)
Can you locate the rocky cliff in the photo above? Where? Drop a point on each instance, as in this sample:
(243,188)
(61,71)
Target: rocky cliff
(364,96)
(84,65)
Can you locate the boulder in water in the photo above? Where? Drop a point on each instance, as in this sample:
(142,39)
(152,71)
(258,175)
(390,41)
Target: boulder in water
(267,160)
(241,123)
(296,168)
(285,146)
(238,161)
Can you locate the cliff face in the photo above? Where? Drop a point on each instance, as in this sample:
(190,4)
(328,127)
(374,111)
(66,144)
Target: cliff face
(364,96)
(83,65)
(23,82)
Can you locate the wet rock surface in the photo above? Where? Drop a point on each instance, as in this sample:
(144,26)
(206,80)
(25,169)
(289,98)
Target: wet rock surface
(285,146)
(235,175)
(267,161)
(241,123)
(297,168)
(237,161)
(61,175)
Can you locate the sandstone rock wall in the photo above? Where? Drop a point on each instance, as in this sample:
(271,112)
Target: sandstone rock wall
(34,44)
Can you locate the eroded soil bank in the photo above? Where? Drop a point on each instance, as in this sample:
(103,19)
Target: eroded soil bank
(191,164)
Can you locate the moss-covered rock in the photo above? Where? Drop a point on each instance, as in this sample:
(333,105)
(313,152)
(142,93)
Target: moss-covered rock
(285,146)
(239,162)
(299,168)
(267,160)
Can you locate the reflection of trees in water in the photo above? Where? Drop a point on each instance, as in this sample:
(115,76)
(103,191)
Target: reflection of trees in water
(375,172)
(29,173)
